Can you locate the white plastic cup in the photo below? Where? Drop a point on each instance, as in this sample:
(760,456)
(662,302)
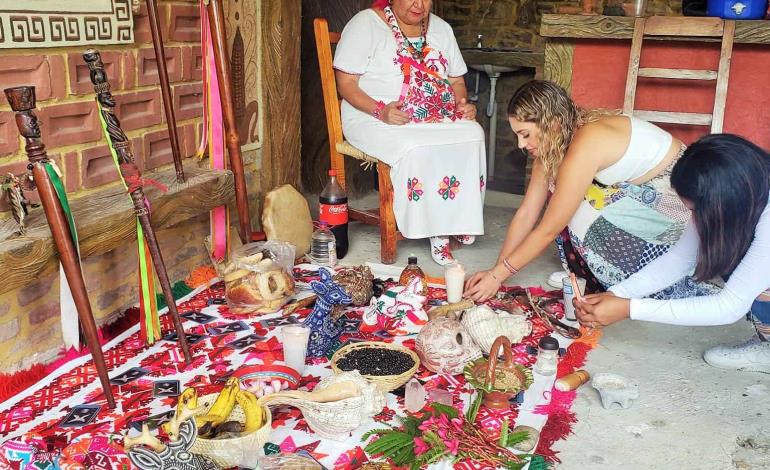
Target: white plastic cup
(566,285)
(454,275)
(295,339)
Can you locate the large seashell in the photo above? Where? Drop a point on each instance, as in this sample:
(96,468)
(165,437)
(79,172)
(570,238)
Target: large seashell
(485,325)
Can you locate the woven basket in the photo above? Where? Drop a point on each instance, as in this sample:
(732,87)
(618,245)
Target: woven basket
(236,452)
(334,419)
(386,383)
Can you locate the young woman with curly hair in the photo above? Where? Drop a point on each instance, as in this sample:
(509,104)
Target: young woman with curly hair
(604,181)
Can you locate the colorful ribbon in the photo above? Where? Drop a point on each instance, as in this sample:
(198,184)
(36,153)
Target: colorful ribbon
(150,320)
(70,325)
(212,136)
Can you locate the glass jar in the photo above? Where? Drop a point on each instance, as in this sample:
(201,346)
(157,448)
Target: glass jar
(547,356)
(411,271)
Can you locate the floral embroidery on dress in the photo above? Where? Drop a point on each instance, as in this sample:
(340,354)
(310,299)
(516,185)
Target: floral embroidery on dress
(449,187)
(481,183)
(414,189)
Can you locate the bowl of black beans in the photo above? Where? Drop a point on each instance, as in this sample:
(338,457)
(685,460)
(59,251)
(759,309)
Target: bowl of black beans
(387,365)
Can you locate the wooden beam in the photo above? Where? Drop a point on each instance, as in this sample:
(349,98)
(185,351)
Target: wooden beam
(558,63)
(106,220)
(695,119)
(680,74)
(691,26)
(621,27)
(720,99)
(280,68)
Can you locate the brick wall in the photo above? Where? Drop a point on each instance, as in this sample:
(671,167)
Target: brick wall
(514,23)
(30,329)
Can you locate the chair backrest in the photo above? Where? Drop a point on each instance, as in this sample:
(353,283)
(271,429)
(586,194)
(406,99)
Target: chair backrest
(323,41)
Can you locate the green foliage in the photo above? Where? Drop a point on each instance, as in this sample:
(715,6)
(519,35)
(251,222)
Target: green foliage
(514,438)
(441,409)
(473,410)
(503,434)
(539,463)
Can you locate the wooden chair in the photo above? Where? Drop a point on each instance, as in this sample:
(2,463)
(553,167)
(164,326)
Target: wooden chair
(383,216)
(678,28)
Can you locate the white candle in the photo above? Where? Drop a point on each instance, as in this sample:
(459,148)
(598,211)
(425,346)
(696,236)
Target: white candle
(295,338)
(454,275)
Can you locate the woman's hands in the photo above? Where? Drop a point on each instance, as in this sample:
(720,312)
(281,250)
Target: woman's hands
(599,310)
(485,284)
(392,114)
(468,110)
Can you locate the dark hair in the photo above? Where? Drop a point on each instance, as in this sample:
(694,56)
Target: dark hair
(727,179)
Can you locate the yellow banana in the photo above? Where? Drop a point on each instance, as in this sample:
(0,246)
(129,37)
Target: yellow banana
(187,399)
(251,409)
(224,403)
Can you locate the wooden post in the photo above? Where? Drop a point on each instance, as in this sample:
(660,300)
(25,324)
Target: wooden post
(165,88)
(22,101)
(232,140)
(133,178)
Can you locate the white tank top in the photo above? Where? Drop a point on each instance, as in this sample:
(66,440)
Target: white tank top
(648,146)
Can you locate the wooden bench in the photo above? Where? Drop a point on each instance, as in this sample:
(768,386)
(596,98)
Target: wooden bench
(105,220)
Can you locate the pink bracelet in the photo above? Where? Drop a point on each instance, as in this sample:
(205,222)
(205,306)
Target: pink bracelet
(509,267)
(377,113)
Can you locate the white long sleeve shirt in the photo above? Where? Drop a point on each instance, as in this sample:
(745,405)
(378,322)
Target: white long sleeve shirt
(749,280)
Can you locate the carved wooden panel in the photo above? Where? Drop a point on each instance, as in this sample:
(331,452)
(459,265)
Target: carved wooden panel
(558,63)
(243,37)
(56,23)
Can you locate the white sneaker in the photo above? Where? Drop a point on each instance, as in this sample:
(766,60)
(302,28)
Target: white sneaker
(440,251)
(752,355)
(466,239)
(554,280)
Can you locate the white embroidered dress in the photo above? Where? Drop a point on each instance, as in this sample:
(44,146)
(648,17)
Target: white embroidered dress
(438,168)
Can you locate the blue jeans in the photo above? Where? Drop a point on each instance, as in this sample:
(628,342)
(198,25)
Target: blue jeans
(760,317)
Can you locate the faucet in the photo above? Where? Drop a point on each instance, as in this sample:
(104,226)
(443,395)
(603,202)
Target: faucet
(478,41)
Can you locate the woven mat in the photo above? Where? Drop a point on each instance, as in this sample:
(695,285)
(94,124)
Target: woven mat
(68,406)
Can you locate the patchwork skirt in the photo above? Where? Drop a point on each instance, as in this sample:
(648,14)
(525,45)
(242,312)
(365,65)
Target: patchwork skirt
(619,229)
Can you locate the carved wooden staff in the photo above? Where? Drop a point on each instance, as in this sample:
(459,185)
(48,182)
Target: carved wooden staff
(22,100)
(165,88)
(232,140)
(133,178)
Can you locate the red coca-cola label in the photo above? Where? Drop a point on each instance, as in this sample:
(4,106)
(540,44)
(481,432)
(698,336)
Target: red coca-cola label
(334,214)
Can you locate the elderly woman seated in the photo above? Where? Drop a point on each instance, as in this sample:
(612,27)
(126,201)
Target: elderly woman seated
(400,74)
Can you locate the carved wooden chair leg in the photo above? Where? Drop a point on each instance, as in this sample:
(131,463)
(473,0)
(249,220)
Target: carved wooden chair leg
(133,178)
(388,237)
(22,100)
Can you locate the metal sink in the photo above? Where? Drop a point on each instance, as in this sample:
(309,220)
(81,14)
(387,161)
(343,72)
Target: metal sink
(491,69)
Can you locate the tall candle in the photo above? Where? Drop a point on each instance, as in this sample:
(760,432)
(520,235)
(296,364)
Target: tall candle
(454,275)
(295,339)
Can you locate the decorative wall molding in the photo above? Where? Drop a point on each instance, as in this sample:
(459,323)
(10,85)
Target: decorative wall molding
(58,23)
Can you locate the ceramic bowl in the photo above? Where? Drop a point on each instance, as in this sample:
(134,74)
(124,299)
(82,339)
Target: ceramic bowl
(615,388)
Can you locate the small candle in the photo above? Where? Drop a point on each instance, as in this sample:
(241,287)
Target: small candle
(454,275)
(295,339)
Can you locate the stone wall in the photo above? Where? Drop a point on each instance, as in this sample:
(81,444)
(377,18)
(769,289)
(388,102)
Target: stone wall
(515,23)
(29,317)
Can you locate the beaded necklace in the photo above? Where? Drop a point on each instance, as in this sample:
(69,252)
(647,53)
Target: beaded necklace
(416,49)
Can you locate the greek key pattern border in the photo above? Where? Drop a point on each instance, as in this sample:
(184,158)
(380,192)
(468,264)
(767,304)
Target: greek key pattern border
(18,30)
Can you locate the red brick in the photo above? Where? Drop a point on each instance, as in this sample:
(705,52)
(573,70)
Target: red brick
(138,109)
(45,73)
(189,144)
(9,134)
(185,24)
(188,100)
(137,149)
(70,123)
(142,23)
(97,167)
(71,169)
(192,62)
(129,70)
(148,68)
(43,313)
(80,80)
(157,149)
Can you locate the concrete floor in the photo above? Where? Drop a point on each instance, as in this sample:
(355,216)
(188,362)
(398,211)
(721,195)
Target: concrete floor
(689,415)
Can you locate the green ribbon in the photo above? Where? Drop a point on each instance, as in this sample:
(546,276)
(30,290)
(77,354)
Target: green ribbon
(58,186)
(144,274)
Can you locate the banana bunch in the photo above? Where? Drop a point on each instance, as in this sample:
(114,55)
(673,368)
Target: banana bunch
(214,423)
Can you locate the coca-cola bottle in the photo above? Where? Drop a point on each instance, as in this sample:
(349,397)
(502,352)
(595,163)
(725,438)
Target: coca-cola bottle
(334,211)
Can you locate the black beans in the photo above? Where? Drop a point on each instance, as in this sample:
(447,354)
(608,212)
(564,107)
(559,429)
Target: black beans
(376,361)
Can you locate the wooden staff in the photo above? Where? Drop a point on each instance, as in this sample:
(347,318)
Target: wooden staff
(22,100)
(232,140)
(133,179)
(165,88)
